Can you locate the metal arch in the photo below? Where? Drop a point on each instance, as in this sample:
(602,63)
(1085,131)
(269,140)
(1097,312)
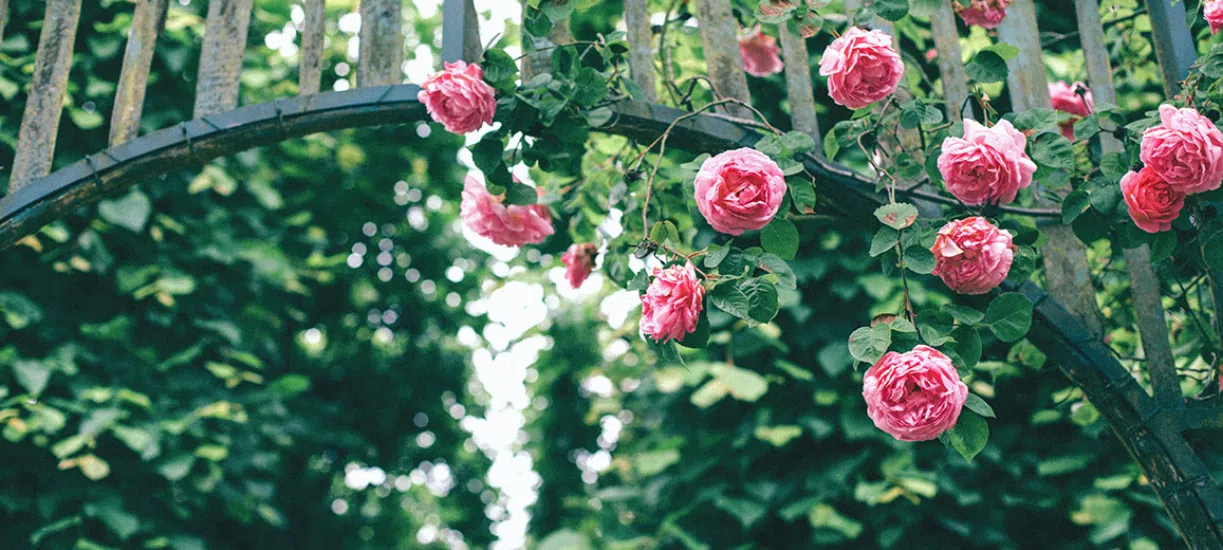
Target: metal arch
(1153,437)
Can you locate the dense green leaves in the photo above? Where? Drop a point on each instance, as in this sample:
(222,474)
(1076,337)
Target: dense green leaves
(1009,316)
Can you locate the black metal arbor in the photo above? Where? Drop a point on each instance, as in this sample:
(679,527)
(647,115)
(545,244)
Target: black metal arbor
(1151,428)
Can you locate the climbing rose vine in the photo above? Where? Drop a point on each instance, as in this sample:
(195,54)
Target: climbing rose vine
(739,190)
(914,396)
(972,256)
(1152,203)
(1185,150)
(459,99)
(862,68)
(987,165)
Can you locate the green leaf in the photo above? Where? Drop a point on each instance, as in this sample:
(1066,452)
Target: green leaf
(589,87)
(1036,120)
(935,326)
(778,436)
(802,193)
(742,384)
(521,194)
(1073,206)
(797,142)
(664,231)
(500,70)
(897,215)
(964,314)
(32,375)
(1087,127)
(924,8)
(698,338)
(289,385)
(597,118)
(748,299)
(1115,166)
(969,435)
(868,344)
(919,259)
(892,10)
(1009,316)
(967,346)
(885,239)
(823,516)
(780,237)
(1053,150)
(987,67)
(715,255)
(130,212)
(979,406)
(654,462)
(780,269)
(1006,51)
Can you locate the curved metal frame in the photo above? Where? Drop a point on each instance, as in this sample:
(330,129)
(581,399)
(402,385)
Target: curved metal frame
(1153,436)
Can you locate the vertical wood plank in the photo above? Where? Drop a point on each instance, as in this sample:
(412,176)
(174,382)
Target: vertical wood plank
(380,60)
(314,26)
(216,88)
(1144,283)
(461,32)
(950,62)
(1028,83)
(147,21)
(36,140)
(1067,275)
(3,17)
(1174,47)
(720,40)
(798,84)
(640,43)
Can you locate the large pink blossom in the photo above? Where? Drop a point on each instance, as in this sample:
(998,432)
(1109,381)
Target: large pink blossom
(739,190)
(1213,13)
(459,98)
(862,68)
(1152,203)
(987,165)
(761,54)
(914,396)
(671,306)
(579,262)
(972,256)
(513,225)
(1185,150)
(984,13)
(1068,99)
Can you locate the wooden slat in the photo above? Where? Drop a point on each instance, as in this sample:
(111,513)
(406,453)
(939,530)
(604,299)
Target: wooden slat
(3,17)
(1144,283)
(461,32)
(1174,46)
(719,38)
(381,58)
(314,27)
(36,140)
(641,51)
(216,89)
(951,62)
(1067,275)
(147,21)
(1028,84)
(798,84)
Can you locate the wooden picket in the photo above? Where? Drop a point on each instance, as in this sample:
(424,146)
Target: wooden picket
(380,60)
(950,62)
(641,50)
(147,21)
(719,31)
(314,26)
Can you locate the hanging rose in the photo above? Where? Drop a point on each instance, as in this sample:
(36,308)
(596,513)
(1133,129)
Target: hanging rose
(458,98)
(739,190)
(671,306)
(972,256)
(1185,150)
(1213,13)
(914,396)
(862,68)
(579,262)
(513,225)
(984,13)
(1152,203)
(1068,99)
(987,165)
(761,54)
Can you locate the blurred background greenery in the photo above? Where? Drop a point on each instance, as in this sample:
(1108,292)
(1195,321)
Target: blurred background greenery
(299,347)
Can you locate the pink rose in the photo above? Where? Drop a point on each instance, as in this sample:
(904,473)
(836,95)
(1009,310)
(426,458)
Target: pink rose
(1066,98)
(671,306)
(579,261)
(972,256)
(739,190)
(459,98)
(761,54)
(914,396)
(1186,150)
(861,67)
(987,165)
(1214,15)
(984,13)
(513,225)
(1153,204)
